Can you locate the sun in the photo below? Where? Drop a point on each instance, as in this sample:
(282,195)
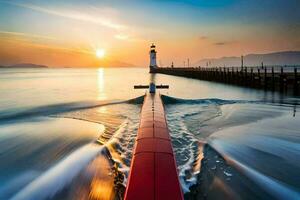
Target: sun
(100,53)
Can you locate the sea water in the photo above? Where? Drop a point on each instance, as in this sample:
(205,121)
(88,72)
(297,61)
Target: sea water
(69,134)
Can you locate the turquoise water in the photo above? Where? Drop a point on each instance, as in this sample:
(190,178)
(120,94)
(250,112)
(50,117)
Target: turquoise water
(55,124)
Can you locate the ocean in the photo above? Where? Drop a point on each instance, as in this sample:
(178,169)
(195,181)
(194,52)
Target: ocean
(69,134)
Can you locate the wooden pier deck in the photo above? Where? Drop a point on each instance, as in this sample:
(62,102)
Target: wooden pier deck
(268,78)
(153,171)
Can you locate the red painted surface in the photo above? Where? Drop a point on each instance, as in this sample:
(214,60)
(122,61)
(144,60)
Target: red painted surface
(153,172)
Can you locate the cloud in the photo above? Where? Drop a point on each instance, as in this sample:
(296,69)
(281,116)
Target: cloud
(224,43)
(121,37)
(73,14)
(203,37)
(220,43)
(38,41)
(28,35)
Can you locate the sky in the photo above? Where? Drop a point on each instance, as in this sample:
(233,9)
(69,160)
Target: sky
(69,33)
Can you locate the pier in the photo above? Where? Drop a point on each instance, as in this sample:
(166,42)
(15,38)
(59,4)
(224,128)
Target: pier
(153,171)
(282,79)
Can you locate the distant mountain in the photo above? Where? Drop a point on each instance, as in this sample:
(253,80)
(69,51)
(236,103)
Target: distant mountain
(106,63)
(25,65)
(276,58)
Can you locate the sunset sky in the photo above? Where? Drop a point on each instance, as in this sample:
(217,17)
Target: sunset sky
(69,33)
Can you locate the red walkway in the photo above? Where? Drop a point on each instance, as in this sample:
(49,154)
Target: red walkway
(153,173)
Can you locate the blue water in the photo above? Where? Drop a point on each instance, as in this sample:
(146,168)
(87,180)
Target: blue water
(56,124)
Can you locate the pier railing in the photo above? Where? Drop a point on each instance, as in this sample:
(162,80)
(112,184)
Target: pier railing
(282,79)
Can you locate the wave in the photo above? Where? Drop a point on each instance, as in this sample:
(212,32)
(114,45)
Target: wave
(290,102)
(57,177)
(17,183)
(137,100)
(48,110)
(60,176)
(221,170)
(174,100)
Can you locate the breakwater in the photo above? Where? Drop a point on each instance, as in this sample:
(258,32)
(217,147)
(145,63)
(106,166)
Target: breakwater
(283,79)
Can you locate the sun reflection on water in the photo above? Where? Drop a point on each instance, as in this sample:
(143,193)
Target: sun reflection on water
(102,109)
(102,185)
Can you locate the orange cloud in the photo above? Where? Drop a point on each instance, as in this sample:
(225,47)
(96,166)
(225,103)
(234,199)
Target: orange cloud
(22,47)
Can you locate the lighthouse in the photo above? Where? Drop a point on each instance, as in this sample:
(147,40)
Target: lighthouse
(153,64)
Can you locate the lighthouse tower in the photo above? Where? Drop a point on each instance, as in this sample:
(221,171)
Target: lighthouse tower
(153,64)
